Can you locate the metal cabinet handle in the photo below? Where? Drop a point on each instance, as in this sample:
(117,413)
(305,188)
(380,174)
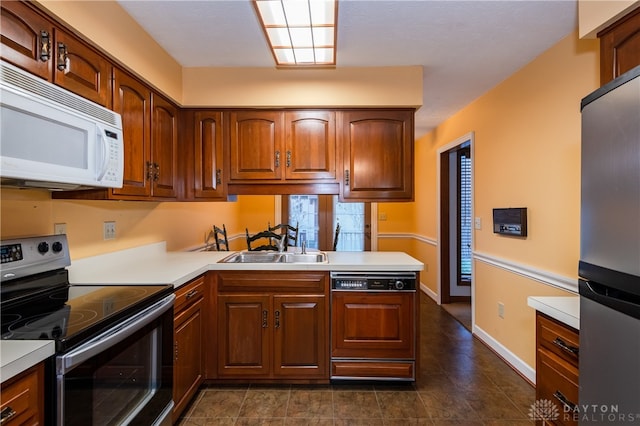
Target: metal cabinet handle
(566,347)
(45,46)
(218,176)
(288,158)
(277,319)
(149,170)
(156,173)
(7,413)
(346,177)
(63,57)
(175,348)
(191,294)
(265,315)
(277,158)
(569,406)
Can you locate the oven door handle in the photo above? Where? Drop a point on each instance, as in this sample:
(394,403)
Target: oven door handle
(70,360)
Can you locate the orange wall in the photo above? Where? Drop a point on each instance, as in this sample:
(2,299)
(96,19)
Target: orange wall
(527,154)
(182,225)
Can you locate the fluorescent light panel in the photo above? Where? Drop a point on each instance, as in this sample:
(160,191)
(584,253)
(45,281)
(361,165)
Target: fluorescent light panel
(300,32)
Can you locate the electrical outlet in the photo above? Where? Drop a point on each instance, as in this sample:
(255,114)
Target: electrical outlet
(478,223)
(109,231)
(59,228)
(501,309)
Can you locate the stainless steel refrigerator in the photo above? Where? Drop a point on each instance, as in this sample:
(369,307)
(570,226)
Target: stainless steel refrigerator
(609,266)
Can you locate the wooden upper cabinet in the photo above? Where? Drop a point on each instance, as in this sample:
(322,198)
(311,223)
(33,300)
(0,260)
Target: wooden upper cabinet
(132,100)
(163,164)
(620,47)
(27,39)
(81,69)
(256,145)
(310,151)
(208,169)
(377,150)
(32,42)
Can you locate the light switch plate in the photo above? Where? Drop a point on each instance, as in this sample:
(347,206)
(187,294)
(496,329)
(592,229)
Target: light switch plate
(109,231)
(478,223)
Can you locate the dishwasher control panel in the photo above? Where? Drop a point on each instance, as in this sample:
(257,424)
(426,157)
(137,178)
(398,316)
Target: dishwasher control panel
(381,281)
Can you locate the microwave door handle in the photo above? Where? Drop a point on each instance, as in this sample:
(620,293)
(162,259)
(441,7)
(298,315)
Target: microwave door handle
(105,152)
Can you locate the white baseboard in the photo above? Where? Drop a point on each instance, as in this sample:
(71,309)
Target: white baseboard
(522,367)
(432,294)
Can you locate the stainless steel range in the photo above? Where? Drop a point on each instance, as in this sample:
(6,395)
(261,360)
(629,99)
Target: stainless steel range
(113,362)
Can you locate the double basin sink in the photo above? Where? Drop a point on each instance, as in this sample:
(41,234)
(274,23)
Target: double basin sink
(275,257)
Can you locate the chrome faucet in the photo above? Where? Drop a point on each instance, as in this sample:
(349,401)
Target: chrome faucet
(304,247)
(282,244)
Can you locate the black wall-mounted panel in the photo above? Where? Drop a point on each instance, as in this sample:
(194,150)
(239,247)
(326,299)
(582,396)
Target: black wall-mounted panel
(511,221)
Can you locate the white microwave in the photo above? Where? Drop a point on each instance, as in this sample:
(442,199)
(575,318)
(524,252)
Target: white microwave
(52,138)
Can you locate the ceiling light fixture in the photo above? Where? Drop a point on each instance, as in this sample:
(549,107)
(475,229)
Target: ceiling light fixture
(301,33)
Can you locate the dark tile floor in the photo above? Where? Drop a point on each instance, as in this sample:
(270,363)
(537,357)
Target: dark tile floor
(460,382)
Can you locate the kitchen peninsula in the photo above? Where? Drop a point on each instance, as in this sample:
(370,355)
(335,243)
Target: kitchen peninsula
(293,338)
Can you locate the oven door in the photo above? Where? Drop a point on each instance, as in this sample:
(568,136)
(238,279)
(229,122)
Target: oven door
(123,376)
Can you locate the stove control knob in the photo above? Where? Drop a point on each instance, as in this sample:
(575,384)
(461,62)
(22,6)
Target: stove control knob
(43,247)
(399,285)
(57,247)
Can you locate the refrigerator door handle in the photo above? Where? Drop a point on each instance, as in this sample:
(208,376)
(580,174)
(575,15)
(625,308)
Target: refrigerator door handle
(615,299)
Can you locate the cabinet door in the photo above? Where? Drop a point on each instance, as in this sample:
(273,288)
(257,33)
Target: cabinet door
(208,169)
(620,47)
(244,333)
(132,100)
(373,325)
(377,148)
(81,69)
(300,325)
(310,145)
(164,145)
(27,39)
(256,141)
(188,366)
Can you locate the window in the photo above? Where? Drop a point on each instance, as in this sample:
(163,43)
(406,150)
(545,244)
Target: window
(464,217)
(318,215)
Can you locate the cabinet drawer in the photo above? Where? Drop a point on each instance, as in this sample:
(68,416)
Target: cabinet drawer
(21,396)
(273,281)
(189,293)
(557,381)
(373,370)
(558,338)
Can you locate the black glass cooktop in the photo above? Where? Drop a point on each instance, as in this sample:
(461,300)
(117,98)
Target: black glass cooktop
(73,314)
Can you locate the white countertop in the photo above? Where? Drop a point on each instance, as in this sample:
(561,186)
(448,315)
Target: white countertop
(18,355)
(564,309)
(152,264)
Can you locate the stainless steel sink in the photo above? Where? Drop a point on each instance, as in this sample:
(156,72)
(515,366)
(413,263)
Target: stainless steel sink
(275,257)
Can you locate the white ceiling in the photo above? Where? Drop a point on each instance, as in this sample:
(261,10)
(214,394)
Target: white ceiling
(465,47)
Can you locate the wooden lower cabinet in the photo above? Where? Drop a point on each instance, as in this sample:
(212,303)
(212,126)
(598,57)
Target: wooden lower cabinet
(266,332)
(23,398)
(373,335)
(189,341)
(557,353)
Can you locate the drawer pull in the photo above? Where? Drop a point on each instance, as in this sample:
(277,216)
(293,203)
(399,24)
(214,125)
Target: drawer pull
(569,406)
(191,294)
(565,347)
(7,413)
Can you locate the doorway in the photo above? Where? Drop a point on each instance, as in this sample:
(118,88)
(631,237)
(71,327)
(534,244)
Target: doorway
(317,217)
(455,228)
